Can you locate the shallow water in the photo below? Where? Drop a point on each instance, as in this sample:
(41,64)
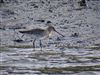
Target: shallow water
(21,61)
(68,20)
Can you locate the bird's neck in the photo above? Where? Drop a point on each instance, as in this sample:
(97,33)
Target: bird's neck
(48,32)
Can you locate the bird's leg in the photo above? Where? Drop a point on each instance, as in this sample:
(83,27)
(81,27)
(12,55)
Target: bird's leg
(46,39)
(34,43)
(41,44)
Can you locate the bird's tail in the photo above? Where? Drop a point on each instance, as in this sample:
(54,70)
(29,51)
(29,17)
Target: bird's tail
(22,31)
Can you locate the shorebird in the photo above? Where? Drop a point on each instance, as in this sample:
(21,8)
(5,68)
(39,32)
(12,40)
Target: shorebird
(39,34)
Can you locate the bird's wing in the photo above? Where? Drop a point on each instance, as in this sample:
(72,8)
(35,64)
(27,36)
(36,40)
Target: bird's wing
(33,31)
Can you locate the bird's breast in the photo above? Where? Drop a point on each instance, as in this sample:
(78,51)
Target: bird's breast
(50,34)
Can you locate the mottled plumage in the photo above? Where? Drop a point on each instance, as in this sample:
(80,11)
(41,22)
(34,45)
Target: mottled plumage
(40,33)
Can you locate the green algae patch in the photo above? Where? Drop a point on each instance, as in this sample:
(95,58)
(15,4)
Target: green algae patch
(20,46)
(95,47)
(4,49)
(65,69)
(93,57)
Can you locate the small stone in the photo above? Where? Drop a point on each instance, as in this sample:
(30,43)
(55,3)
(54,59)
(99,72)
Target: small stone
(75,35)
(49,22)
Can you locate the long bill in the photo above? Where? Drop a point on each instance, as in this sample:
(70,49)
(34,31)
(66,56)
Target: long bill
(59,33)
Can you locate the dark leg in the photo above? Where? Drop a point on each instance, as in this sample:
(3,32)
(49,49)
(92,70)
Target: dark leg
(41,44)
(34,43)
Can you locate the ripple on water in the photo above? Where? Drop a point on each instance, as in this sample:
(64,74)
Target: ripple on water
(28,61)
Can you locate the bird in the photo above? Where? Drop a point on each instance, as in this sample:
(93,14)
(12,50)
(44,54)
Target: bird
(39,34)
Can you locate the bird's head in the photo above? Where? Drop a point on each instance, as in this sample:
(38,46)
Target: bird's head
(51,28)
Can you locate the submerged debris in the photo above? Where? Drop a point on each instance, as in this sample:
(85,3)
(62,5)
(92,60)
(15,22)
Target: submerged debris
(18,40)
